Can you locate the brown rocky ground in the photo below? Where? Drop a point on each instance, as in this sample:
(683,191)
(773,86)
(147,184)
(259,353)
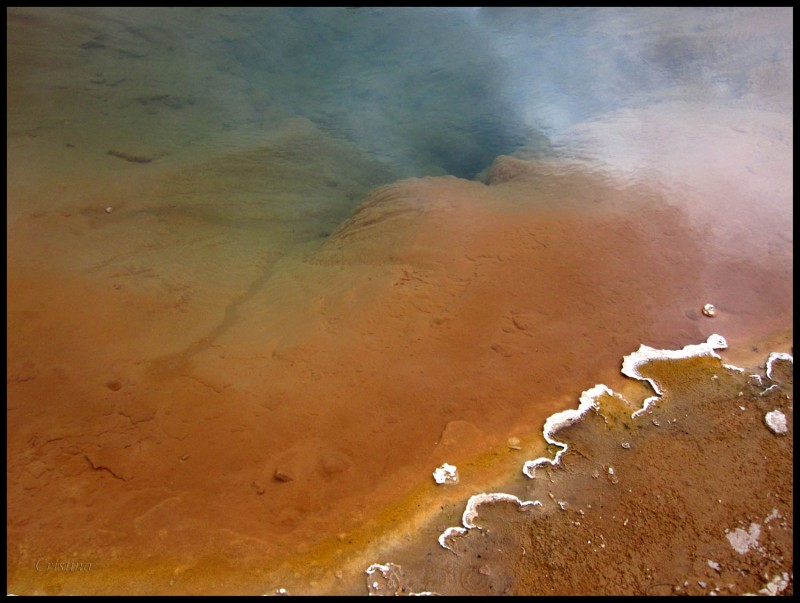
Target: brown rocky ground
(690,476)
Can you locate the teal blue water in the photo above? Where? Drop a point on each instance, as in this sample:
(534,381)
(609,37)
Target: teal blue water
(426,90)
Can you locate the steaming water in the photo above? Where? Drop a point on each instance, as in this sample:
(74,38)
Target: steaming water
(237,328)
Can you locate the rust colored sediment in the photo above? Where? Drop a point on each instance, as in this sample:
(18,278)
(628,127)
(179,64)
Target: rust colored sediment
(443,318)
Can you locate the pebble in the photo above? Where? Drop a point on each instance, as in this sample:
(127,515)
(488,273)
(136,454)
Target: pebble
(282,476)
(776,421)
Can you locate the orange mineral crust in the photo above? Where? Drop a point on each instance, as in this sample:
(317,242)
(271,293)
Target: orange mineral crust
(442,318)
